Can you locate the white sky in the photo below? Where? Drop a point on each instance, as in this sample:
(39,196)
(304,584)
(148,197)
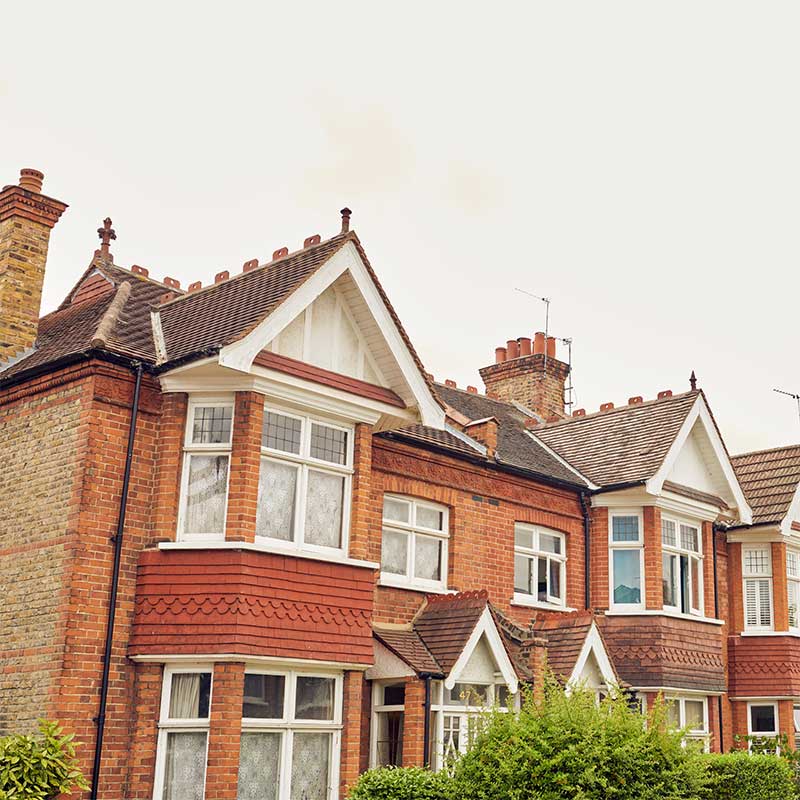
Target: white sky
(637,162)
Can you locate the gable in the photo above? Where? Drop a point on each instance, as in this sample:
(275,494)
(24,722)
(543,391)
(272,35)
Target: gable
(697,466)
(481,665)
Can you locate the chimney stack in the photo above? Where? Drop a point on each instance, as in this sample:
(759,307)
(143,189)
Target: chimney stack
(26,219)
(533,377)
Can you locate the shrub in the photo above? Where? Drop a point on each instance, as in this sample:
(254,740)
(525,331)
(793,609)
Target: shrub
(401,783)
(38,767)
(571,747)
(741,776)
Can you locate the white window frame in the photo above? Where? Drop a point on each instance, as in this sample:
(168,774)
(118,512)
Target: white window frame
(534,554)
(676,551)
(763,734)
(630,545)
(697,735)
(793,586)
(167,725)
(758,576)
(287,726)
(379,707)
(305,463)
(412,529)
(212,449)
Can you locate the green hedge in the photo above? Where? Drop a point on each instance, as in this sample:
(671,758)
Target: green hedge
(740,776)
(38,767)
(401,783)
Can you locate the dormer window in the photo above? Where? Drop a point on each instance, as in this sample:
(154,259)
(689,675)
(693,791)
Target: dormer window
(682,575)
(304,482)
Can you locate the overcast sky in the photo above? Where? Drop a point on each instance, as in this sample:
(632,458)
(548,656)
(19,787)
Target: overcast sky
(636,162)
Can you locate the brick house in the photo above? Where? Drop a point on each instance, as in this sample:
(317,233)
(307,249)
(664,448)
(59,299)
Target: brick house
(249,548)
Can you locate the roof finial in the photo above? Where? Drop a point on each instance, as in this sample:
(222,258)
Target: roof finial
(345,212)
(693,381)
(106,234)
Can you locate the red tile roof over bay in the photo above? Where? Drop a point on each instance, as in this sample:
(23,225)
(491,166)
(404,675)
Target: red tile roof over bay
(769,480)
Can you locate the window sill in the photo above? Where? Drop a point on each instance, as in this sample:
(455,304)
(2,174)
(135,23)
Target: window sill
(528,602)
(259,547)
(657,613)
(795,634)
(392,583)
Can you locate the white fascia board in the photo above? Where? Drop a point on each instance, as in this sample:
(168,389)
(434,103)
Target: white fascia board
(211,658)
(758,534)
(485,626)
(700,411)
(593,644)
(240,355)
(562,461)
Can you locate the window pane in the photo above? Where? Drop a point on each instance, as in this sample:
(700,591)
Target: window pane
(427,558)
(541,579)
(394,552)
(390,739)
(695,714)
(625,529)
(757,562)
(794,597)
(328,444)
(189,695)
(314,698)
(668,533)
(259,766)
(522,574)
(396,510)
(467,694)
(324,509)
(310,766)
(523,537)
(669,580)
(206,489)
(792,565)
(281,432)
(263,696)
(555,579)
(689,538)
(430,518)
(549,543)
(212,425)
(627,577)
(762,719)
(696,603)
(394,695)
(673,713)
(277,487)
(185,766)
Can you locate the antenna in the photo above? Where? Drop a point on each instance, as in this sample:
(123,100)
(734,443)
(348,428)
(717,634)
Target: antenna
(546,301)
(795,397)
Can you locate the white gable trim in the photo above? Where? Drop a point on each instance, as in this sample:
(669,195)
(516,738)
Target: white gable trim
(792,514)
(593,644)
(700,411)
(485,626)
(240,355)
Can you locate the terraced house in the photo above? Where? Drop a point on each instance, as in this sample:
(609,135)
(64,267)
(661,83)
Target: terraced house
(248,546)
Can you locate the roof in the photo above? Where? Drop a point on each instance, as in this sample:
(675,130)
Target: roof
(769,479)
(436,437)
(623,445)
(408,645)
(515,446)
(565,636)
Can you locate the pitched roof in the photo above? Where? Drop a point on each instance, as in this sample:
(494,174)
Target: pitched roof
(622,445)
(515,447)
(436,437)
(408,645)
(565,636)
(769,479)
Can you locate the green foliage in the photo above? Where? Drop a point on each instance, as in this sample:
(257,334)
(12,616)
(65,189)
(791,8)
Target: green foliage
(571,747)
(401,783)
(741,776)
(38,767)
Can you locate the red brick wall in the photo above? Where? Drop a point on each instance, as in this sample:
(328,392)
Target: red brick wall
(653,564)
(599,558)
(735,589)
(414,724)
(780,598)
(168,464)
(350,765)
(144,732)
(225,731)
(248,418)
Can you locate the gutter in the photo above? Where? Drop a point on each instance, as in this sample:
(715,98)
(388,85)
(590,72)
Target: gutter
(112,603)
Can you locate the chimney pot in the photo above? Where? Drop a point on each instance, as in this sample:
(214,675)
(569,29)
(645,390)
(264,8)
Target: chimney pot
(280,253)
(606,406)
(312,240)
(451,384)
(512,348)
(345,212)
(524,345)
(222,276)
(472,390)
(634,401)
(500,355)
(193,287)
(579,412)
(31,180)
(248,265)
(531,422)
(538,343)
(172,283)
(551,347)
(665,393)
(137,270)
(166,297)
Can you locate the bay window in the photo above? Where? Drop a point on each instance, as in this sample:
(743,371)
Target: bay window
(626,557)
(388,715)
(793,587)
(414,543)
(304,482)
(540,560)
(291,724)
(682,576)
(757,587)
(183,734)
(206,463)
(690,713)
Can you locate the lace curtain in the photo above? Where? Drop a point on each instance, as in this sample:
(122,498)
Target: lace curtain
(259,764)
(185,766)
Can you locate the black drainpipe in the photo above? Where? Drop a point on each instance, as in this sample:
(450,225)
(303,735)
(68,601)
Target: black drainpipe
(586,550)
(715,528)
(112,603)
(426,721)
